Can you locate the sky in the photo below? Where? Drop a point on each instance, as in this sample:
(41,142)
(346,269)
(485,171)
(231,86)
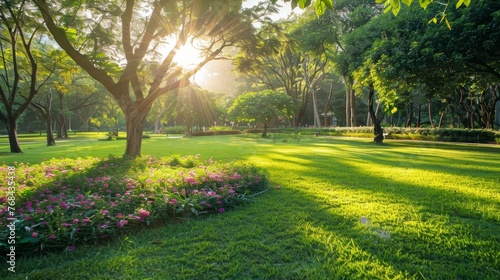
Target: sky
(284,11)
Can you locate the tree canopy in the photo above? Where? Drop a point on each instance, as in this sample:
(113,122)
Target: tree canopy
(262,107)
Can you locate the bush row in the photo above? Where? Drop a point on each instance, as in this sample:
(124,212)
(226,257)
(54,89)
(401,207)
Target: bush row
(217,132)
(429,134)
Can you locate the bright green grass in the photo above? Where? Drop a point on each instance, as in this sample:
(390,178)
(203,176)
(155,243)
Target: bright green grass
(347,209)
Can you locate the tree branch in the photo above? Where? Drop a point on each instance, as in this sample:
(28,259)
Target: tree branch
(82,60)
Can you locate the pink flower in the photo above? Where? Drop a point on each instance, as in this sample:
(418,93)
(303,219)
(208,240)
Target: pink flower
(121,223)
(71,248)
(52,236)
(236,176)
(143,213)
(221,210)
(64,205)
(34,234)
(278,186)
(119,215)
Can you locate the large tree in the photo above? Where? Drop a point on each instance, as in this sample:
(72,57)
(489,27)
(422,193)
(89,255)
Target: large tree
(21,77)
(144,25)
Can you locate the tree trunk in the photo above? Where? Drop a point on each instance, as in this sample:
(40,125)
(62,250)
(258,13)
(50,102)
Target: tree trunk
(441,120)
(354,122)
(86,124)
(116,127)
(409,119)
(135,127)
(61,130)
(12,131)
(347,102)
(497,113)
(429,110)
(302,111)
(419,115)
(264,133)
(327,104)
(158,124)
(50,134)
(317,122)
(377,129)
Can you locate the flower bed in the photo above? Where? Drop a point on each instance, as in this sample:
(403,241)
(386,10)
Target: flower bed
(62,203)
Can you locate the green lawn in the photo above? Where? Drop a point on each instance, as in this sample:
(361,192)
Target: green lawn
(346,209)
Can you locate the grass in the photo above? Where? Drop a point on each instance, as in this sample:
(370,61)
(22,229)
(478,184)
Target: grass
(346,209)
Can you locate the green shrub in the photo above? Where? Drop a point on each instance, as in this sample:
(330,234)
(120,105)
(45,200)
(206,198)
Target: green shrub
(220,128)
(173,130)
(211,133)
(441,134)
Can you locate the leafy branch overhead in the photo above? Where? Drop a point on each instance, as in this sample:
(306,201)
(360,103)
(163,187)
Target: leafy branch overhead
(395,7)
(390,5)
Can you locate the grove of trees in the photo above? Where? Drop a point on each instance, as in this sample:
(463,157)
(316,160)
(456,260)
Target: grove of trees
(68,65)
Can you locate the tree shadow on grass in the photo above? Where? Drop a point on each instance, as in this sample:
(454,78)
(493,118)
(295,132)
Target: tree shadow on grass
(324,223)
(467,230)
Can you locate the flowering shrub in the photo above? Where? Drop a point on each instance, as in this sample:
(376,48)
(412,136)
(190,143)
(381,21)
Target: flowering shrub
(63,202)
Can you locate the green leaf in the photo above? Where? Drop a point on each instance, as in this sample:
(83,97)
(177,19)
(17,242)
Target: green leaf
(320,8)
(71,33)
(434,20)
(424,3)
(304,3)
(328,3)
(459,3)
(447,23)
(395,6)
(407,2)
(387,9)
(467,2)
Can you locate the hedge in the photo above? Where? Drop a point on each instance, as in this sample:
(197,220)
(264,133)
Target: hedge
(404,133)
(211,133)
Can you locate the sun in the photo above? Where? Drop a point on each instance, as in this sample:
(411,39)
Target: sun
(188,57)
